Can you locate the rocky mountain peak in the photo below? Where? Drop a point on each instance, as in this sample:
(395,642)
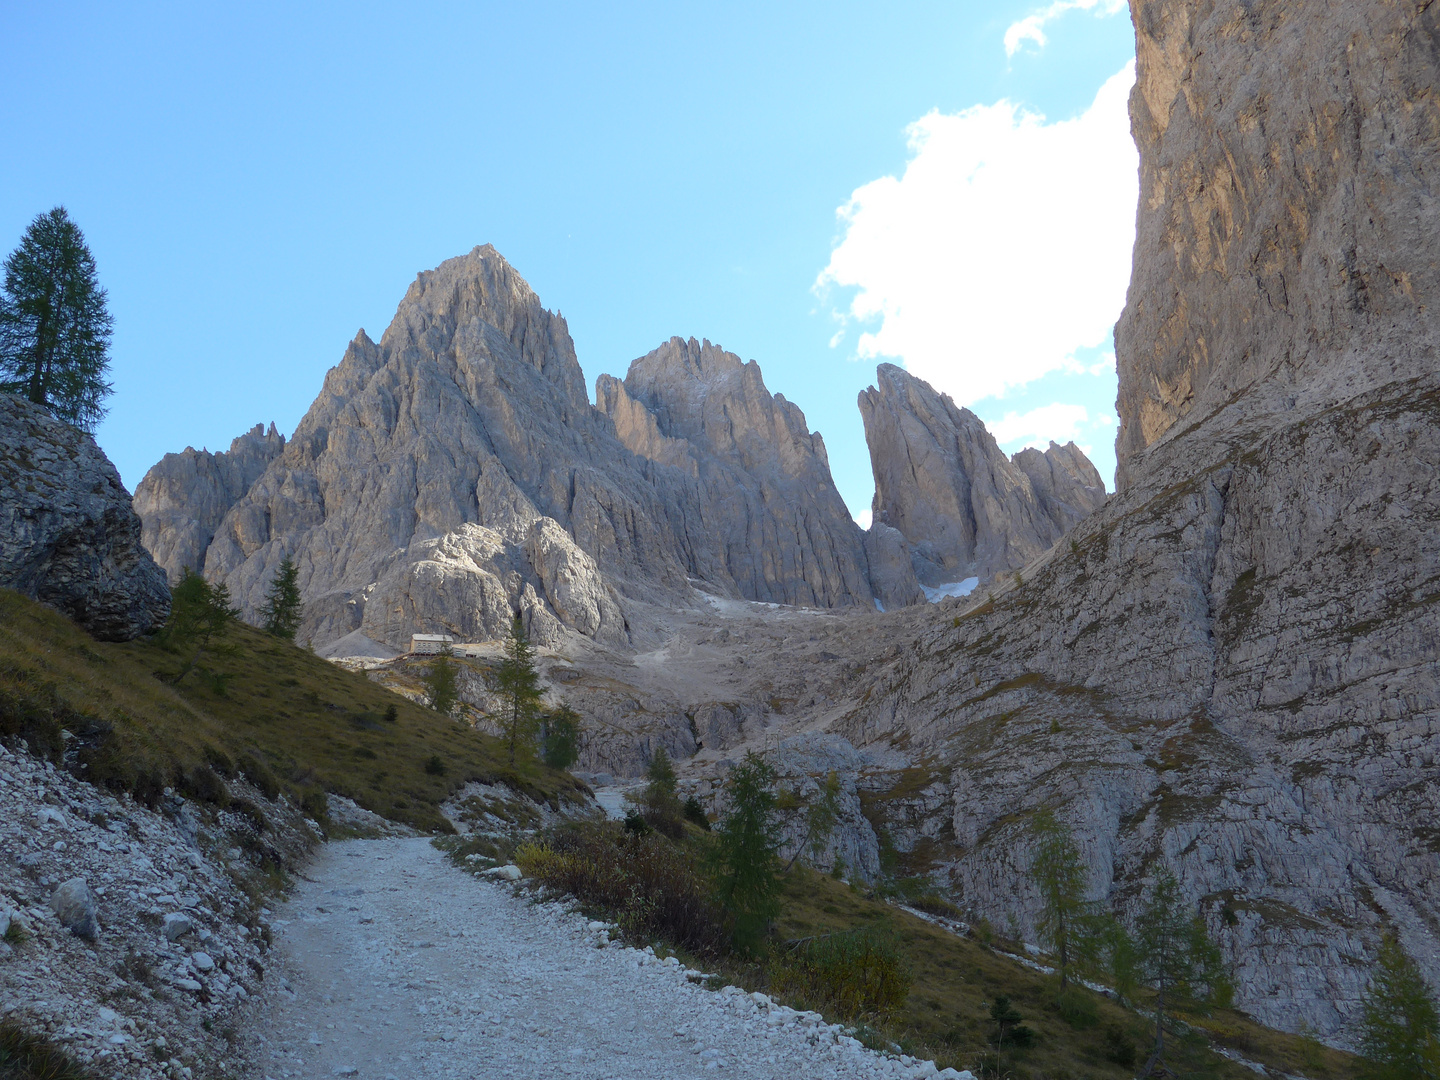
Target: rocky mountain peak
(185,496)
(964,507)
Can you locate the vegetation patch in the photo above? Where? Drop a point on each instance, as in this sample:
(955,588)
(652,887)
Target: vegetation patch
(283,718)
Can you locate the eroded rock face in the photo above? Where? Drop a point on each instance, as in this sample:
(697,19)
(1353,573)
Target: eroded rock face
(746,484)
(68,534)
(964,507)
(185,496)
(1285,244)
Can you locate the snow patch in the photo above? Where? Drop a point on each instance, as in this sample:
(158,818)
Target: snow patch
(952,588)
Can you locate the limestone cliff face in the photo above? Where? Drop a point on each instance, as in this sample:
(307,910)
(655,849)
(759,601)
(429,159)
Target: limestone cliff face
(185,496)
(963,506)
(1285,246)
(1235,667)
(449,475)
(68,534)
(746,484)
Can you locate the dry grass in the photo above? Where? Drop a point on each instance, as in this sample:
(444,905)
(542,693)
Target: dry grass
(947,1017)
(26,1056)
(304,724)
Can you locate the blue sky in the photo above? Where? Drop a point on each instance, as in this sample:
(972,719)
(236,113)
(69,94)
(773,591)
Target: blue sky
(257,184)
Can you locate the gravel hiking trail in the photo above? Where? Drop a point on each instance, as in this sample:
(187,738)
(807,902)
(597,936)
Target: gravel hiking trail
(394,963)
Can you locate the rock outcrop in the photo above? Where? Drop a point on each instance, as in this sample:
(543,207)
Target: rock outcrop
(184,497)
(745,483)
(68,534)
(964,507)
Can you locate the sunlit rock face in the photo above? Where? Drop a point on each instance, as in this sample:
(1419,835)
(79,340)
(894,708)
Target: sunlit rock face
(963,506)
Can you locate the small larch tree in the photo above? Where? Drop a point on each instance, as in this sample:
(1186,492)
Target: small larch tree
(54,325)
(518,684)
(282,611)
(1175,958)
(1399,1022)
(1059,875)
(821,816)
(744,854)
(200,612)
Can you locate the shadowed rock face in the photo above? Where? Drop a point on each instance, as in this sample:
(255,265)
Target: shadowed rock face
(68,534)
(963,506)
(185,496)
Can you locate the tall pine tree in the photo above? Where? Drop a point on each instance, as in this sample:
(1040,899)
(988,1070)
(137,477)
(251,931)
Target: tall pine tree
(518,684)
(281,613)
(54,325)
(1175,958)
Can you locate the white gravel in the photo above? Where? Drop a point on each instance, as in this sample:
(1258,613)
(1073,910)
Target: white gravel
(400,965)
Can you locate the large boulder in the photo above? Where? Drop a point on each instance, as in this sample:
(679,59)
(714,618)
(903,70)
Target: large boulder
(68,534)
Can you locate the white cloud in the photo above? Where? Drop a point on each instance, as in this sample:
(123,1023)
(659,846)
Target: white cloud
(864,517)
(1032,27)
(1002,249)
(1058,421)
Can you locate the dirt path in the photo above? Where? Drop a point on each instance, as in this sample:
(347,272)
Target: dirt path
(396,964)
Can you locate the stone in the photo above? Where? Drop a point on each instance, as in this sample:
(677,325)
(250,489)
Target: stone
(189,985)
(69,536)
(74,905)
(202,961)
(508,872)
(184,497)
(962,506)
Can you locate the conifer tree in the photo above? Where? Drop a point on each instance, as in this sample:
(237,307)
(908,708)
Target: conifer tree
(1175,958)
(660,792)
(199,613)
(518,684)
(440,682)
(561,737)
(1060,876)
(54,325)
(281,613)
(743,856)
(1399,1023)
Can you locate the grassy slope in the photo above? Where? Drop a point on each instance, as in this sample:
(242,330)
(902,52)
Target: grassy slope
(947,1015)
(310,723)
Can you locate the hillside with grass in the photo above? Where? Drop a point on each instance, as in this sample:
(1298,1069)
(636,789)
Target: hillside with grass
(287,720)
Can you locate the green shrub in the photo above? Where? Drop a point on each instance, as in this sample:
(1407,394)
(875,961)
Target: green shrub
(695,813)
(650,885)
(1119,1047)
(256,772)
(1077,1007)
(204,783)
(316,805)
(434,766)
(392,714)
(853,974)
(1006,1028)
